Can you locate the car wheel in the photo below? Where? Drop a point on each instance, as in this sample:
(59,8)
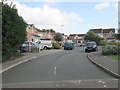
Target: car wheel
(45,48)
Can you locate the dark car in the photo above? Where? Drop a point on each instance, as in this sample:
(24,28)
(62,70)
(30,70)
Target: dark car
(25,46)
(68,46)
(91,46)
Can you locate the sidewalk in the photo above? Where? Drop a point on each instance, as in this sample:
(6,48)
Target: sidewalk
(105,62)
(27,56)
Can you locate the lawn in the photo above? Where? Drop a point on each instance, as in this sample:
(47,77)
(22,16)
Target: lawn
(115,57)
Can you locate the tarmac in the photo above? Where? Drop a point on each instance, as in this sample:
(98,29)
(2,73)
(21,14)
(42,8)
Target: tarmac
(26,57)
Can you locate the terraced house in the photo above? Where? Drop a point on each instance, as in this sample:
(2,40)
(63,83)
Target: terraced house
(77,38)
(107,34)
(34,34)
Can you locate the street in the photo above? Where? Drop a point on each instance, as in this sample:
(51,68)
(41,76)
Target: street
(65,65)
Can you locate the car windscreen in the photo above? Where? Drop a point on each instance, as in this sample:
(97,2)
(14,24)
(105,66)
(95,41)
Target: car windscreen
(90,44)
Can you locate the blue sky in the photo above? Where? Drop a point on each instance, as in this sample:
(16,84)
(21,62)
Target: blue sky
(89,14)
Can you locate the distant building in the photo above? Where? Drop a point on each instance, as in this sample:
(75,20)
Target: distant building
(77,38)
(65,37)
(107,34)
(34,34)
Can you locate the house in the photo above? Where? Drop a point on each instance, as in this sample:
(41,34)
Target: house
(47,34)
(34,34)
(65,37)
(107,34)
(77,38)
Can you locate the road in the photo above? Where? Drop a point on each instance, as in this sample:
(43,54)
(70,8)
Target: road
(64,65)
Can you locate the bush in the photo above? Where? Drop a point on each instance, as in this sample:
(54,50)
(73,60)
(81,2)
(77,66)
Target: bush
(111,50)
(103,43)
(13,31)
(12,56)
(56,46)
(113,43)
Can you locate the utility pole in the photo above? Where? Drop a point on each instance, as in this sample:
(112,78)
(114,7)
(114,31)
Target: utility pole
(61,27)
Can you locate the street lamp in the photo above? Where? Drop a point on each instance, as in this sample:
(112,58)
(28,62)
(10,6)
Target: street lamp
(61,27)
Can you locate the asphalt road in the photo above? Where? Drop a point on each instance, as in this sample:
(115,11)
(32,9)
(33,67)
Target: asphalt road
(64,65)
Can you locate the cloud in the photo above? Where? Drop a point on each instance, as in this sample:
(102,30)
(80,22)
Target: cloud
(49,17)
(102,6)
(116,6)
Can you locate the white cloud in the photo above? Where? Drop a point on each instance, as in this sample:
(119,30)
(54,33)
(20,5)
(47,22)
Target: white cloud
(102,6)
(116,6)
(49,17)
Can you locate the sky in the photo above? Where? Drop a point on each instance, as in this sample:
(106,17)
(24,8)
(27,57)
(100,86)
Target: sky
(69,17)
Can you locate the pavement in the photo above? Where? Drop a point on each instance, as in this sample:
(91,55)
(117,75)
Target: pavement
(104,62)
(26,57)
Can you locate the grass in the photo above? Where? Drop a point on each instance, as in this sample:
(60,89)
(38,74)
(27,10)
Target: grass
(115,57)
(13,57)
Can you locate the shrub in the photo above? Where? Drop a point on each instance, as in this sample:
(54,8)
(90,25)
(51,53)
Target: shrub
(113,43)
(110,50)
(56,45)
(103,43)
(13,31)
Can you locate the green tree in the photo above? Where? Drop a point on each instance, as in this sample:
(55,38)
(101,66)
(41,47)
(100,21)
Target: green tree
(58,37)
(13,31)
(91,36)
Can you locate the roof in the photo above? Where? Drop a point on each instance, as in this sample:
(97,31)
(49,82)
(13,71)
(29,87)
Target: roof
(36,35)
(100,30)
(38,30)
(72,35)
(109,30)
(77,35)
(96,30)
(80,35)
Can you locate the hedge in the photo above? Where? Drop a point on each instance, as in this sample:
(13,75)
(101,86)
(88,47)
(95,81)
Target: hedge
(13,31)
(110,50)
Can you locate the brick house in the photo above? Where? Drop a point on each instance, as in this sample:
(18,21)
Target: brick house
(107,34)
(34,34)
(77,38)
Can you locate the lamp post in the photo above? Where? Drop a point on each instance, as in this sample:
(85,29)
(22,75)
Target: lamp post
(61,27)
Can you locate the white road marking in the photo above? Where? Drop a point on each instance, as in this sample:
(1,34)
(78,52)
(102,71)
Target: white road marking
(104,86)
(34,57)
(103,82)
(79,81)
(55,70)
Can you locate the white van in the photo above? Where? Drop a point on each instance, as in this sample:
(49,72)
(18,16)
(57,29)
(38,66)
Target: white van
(46,43)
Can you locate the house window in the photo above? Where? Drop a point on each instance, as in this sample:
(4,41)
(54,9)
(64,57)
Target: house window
(32,40)
(104,35)
(79,41)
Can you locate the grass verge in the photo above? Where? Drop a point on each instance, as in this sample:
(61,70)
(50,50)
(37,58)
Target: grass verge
(115,57)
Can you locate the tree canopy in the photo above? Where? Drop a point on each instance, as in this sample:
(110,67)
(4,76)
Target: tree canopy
(58,37)
(91,36)
(13,30)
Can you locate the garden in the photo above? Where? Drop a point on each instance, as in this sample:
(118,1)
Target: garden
(111,49)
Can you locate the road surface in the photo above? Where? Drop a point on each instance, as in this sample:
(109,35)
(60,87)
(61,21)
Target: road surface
(64,65)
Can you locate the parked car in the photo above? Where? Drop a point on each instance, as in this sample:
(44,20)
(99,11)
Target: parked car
(27,46)
(45,43)
(68,46)
(23,48)
(91,46)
